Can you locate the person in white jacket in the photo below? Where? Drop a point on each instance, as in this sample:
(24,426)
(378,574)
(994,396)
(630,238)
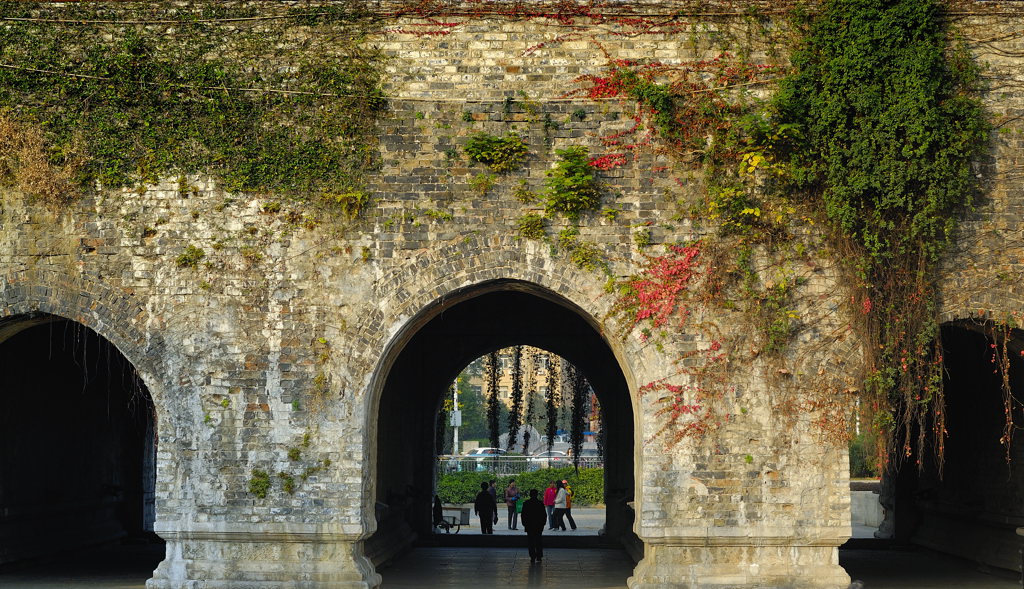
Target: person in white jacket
(560,498)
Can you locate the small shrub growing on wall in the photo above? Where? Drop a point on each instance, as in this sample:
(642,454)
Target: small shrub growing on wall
(483,183)
(191,257)
(502,154)
(571,185)
(531,226)
(259,484)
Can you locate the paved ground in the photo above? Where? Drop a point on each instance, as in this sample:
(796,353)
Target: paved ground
(115,567)
(564,568)
(921,569)
(128,567)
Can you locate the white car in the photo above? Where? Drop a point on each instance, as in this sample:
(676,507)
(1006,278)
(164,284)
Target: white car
(482,453)
(549,459)
(482,456)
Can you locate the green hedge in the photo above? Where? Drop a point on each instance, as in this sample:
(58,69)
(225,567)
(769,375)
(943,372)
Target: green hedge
(462,487)
(863,457)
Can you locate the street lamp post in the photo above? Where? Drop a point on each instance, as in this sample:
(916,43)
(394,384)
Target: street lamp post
(456,419)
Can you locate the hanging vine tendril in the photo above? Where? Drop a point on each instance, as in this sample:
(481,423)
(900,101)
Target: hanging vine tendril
(531,388)
(551,398)
(492,368)
(441,429)
(1000,335)
(515,416)
(578,387)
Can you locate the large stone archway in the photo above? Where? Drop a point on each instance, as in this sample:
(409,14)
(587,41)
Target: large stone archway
(80,350)
(77,442)
(436,345)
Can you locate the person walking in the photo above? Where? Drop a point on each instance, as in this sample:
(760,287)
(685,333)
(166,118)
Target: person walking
(568,504)
(511,498)
(559,507)
(549,503)
(486,508)
(535,517)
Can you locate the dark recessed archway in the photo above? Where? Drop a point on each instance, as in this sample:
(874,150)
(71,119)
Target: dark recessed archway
(77,441)
(972,506)
(436,346)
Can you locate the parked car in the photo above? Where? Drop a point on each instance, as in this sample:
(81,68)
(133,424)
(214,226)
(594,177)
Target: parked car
(481,459)
(483,453)
(591,458)
(549,459)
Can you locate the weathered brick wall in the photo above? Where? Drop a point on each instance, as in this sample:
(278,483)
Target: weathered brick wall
(284,331)
(982,275)
(973,508)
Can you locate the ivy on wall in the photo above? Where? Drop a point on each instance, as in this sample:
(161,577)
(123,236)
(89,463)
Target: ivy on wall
(889,125)
(262,99)
(875,130)
(877,126)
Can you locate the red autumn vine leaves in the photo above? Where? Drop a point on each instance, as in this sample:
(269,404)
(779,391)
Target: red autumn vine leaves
(657,293)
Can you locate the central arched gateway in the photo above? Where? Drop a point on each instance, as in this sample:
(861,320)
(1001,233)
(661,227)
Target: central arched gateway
(430,352)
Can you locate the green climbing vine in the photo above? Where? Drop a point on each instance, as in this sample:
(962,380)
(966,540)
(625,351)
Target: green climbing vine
(515,414)
(492,374)
(120,94)
(874,130)
(552,398)
(887,149)
(579,393)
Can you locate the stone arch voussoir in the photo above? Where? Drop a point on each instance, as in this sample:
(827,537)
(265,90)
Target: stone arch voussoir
(437,274)
(115,315)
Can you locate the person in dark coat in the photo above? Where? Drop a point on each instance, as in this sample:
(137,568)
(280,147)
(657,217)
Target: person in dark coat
(494,495)
(437,511)
(534,518)
(487,508)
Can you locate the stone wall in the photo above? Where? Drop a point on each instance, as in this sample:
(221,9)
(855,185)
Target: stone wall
(972,508)
(284,336)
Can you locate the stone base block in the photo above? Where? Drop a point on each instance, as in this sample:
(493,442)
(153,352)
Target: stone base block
(226,560)
(719,567)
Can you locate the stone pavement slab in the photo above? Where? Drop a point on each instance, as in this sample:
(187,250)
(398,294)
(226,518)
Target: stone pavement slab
(919,568)
(565,568)
(128,567)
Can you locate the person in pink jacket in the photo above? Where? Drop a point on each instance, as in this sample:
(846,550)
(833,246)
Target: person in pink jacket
(549,503)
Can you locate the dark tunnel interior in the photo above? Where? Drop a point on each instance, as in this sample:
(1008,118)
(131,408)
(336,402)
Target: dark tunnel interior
(973,504)
(77,441)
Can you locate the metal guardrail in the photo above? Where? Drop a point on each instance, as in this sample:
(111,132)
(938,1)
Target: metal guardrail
(503,465)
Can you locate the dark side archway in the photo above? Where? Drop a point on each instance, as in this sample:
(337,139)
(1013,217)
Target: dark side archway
(435,347)
(972,506)
(77,441)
